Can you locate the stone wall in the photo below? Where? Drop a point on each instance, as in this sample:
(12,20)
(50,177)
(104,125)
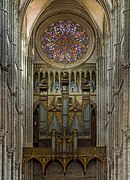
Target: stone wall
(11,115)
(117,101)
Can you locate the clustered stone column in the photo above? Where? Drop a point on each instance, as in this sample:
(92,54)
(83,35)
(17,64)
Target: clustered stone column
(3,86)
(118,76)
(126,100)
(100,102)
(9,91)
(29,103)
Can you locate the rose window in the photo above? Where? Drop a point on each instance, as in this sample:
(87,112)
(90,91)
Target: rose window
(65,42)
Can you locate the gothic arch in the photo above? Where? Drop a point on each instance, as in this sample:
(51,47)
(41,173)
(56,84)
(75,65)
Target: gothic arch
(26,11)
(31,158)
(95,158)
(78,162)
(53,161)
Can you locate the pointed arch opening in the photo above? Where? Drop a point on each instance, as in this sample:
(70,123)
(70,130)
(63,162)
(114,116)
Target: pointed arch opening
(54,168)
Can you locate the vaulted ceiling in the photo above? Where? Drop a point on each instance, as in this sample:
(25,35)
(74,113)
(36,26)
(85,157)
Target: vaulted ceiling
(30,11)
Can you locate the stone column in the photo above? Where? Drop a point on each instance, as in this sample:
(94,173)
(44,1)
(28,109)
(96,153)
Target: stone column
(80,88)
(124,155)
(69,80)
(3,86)
(112,170)
(20,172)
(120,164)
(116,84)
(108,170)
(59,81)
(4,158)
(0,65)
(90,81)
(100,102)
(0,112)
(17,171)
(128,153)
(109,92)
(54,75)
(20,104)
(49,82)
(9,165)
(3,63)
(1,154)
(28,130)
(75,80)
(126,96)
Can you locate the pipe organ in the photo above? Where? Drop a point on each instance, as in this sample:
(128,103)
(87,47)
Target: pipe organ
(64,108)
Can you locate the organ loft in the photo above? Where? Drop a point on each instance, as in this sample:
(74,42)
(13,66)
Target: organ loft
(65,100)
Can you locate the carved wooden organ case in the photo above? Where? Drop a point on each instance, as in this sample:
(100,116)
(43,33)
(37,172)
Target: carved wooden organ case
(64,107)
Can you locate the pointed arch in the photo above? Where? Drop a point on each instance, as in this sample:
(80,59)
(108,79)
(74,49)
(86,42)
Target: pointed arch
(78,162)
(94,158)
(31,158)
(53,161)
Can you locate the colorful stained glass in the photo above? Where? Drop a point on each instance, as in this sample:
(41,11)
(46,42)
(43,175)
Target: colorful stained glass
(65,42)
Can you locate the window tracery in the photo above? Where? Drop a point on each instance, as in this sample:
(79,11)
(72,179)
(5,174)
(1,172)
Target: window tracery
(65,42)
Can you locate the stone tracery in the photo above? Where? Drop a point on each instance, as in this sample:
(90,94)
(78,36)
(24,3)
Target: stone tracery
(65,42)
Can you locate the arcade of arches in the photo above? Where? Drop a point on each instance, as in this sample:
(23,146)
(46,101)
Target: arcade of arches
(64,89)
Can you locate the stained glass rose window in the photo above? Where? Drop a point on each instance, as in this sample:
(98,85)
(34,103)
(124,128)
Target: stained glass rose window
(65,42)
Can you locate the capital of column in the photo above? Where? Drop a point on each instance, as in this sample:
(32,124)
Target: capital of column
(17,164)
(1,139)
(10,151)
(115,6)
(128,138)
(100,58)
(29,59)
(2,135)
(125,67)
(3,67)
(111,162)
(14,93)
(9,154)
(119,152)
(126,133)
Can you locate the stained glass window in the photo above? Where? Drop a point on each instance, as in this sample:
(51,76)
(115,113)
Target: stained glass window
(65,42)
